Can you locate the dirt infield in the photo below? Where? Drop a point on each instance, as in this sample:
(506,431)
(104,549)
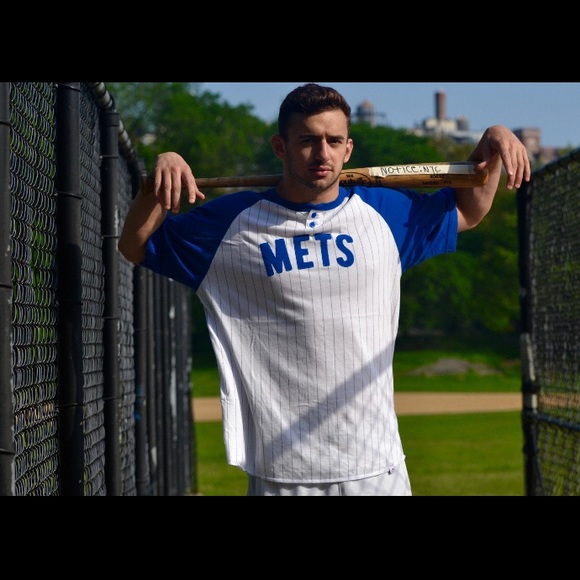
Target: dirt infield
(206,409)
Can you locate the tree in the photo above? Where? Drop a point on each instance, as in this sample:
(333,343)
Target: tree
(375,146)
(215,138)
(494,244)
(474,290)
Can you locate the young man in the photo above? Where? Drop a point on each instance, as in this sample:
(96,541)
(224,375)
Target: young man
(300,286)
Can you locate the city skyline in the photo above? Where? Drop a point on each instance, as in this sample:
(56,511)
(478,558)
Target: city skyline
(549,107)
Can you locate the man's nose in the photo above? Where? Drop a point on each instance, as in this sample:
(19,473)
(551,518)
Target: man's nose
(321,151)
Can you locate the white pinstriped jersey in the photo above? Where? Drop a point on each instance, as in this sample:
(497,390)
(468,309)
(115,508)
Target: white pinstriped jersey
(302,305)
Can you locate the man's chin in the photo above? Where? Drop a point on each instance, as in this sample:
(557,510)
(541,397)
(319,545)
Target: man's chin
(323,183)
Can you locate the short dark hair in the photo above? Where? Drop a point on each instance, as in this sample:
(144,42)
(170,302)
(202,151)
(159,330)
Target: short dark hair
(310,99)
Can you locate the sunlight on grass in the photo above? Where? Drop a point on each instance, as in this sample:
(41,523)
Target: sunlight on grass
(464,454)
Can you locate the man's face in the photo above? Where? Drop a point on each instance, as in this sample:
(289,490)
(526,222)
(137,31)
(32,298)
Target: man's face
(316,149)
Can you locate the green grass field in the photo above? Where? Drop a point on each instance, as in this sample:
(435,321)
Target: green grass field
(475,454)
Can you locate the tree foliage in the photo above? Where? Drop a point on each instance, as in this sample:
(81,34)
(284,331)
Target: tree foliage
(375,146)
(215,138)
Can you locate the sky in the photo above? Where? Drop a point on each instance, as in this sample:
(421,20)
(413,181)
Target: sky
(551,107)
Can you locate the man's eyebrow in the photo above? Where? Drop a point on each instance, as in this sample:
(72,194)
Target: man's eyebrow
(317,136)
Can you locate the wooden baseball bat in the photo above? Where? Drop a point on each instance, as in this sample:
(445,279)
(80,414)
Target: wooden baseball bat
(412,175)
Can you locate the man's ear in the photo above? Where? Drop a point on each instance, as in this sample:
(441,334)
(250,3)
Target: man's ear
(278,146)
(349,148)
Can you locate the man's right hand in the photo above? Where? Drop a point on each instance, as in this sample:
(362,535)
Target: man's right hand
(169,176)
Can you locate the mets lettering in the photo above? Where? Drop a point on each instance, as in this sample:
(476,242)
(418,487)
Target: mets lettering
(279,258)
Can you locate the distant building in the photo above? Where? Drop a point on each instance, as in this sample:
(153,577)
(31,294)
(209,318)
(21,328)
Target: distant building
(440,126)
(458,130)
(365,113)
(538,155)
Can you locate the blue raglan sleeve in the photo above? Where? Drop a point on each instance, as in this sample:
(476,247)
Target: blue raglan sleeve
(183,247)
(423,224)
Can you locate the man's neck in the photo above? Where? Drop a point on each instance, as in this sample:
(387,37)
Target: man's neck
(297,193)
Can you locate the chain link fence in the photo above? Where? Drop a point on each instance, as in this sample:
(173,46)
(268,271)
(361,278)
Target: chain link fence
(549,220)
(95,354)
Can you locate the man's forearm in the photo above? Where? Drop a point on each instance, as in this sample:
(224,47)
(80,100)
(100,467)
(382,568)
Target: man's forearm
(144,217)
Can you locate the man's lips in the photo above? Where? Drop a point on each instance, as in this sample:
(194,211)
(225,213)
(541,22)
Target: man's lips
(320,171)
